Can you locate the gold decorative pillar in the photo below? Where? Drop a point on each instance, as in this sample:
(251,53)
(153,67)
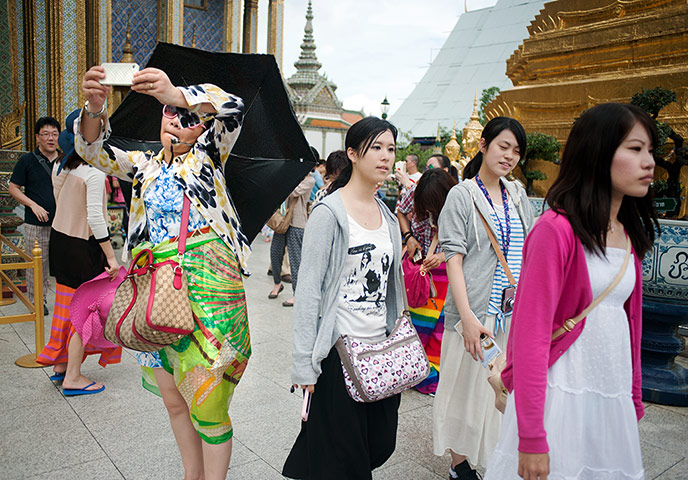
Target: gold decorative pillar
(275,28)
(12,17)
(232,26)
(29,21)
(81,65)
(54,59)
(92,33)
(173,18)
(250,43)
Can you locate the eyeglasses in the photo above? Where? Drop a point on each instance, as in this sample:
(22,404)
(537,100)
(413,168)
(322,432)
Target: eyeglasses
(49,135)
(169,111)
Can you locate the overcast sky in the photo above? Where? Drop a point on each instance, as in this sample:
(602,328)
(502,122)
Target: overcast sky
(369,48)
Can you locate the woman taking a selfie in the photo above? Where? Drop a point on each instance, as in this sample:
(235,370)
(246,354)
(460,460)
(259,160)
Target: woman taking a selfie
(465,421)
(576,398)
(199,126)
(350,284)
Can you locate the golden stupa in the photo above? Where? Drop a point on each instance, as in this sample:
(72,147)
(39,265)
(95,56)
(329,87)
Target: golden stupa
(581,53)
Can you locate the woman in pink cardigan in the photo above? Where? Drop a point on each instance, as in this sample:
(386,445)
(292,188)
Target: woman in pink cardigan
(576,400)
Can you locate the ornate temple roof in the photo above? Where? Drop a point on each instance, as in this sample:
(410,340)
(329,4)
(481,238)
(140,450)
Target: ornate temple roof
(308,89)
(472,58)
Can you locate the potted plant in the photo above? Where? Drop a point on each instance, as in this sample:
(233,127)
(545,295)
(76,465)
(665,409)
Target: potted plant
(540,147)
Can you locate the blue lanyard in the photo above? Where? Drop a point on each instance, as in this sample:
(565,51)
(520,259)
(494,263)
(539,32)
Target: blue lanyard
(505,240)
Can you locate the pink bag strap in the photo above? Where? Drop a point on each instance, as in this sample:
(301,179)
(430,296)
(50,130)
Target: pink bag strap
(183,233)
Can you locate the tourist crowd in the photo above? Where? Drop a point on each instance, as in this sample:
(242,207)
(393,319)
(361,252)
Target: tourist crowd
(527,324)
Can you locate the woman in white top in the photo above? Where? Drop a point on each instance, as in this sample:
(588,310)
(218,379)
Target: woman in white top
(80,250)
(576,401)
(350,284)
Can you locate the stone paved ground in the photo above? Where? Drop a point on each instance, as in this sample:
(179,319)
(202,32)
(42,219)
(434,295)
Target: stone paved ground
(123,433)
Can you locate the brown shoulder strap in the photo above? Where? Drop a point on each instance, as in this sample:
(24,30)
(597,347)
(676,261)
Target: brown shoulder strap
(571,322)
(498,250)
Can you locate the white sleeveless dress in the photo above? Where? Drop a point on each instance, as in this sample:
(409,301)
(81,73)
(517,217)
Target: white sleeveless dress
(590,419)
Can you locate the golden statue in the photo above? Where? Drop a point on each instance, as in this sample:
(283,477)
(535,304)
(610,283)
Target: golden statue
(438,142)
(452,149)
(471,136)
(10,136)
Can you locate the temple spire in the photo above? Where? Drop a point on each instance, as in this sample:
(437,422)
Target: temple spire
(127,50)
(308,62)
(475,116)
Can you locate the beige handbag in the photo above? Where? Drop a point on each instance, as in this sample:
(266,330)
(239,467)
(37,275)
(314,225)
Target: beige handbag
(498,366)
(151,307)
(280,221)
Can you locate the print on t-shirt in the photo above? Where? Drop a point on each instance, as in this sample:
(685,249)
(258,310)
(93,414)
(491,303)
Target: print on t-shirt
(365,286)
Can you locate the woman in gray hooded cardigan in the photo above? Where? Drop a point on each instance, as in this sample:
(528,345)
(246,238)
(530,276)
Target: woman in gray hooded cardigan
(349,283)
(465,421)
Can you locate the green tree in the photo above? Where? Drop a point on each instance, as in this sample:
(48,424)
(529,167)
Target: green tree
(406,146)
(487,96)
(542,147)
(653,101)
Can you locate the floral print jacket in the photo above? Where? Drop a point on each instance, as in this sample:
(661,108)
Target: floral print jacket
(200,171)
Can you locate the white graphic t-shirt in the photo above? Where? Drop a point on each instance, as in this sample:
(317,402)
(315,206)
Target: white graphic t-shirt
(361,311)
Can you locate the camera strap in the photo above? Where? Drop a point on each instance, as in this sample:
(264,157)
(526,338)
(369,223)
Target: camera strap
(498,251)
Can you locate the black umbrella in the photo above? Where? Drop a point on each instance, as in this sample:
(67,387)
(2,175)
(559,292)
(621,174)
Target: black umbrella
(271,155)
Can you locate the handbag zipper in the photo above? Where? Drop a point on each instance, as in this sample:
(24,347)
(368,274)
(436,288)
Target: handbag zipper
(394,345)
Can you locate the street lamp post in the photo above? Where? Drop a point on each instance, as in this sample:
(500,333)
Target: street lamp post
(384,106)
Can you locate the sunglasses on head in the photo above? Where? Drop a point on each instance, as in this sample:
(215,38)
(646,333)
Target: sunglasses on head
(172,112)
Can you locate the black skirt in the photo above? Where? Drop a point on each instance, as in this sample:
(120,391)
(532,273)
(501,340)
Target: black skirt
(342,439)
(74,261)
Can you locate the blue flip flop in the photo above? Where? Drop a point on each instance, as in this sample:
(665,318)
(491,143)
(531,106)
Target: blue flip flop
(57,376)
(72,392)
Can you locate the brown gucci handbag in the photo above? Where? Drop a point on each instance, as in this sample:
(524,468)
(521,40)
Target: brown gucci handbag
(151,307)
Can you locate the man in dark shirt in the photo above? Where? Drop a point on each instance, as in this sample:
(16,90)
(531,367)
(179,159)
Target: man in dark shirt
(33,171)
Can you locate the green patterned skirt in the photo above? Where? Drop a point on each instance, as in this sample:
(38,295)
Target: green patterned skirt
(208,363)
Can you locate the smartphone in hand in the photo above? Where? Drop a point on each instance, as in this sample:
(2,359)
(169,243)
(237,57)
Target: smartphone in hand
(119,74)
(306,406)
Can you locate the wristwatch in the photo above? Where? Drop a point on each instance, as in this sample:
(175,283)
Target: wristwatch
(94,115)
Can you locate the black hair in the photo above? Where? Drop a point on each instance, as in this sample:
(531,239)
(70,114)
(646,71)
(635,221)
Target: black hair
(583,189)
(493,128)
(43,121)
(445,163)
(315,152)
(73,161)
(431,192)
(360,137)
(336,161)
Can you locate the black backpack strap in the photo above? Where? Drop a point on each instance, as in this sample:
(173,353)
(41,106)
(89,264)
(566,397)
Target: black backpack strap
(44,163)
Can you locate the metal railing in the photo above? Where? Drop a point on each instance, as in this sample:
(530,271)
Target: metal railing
(36,309)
